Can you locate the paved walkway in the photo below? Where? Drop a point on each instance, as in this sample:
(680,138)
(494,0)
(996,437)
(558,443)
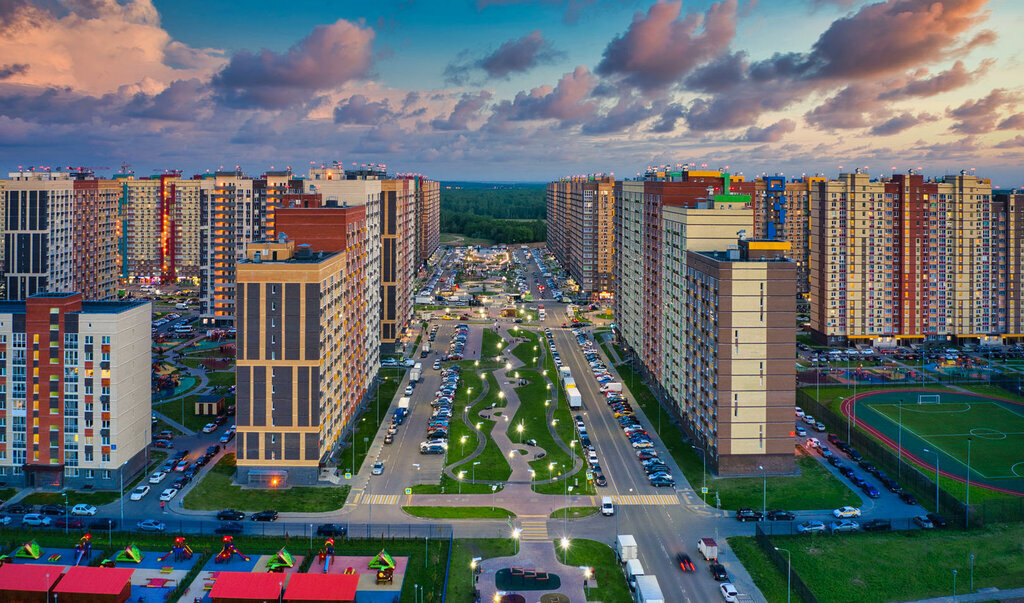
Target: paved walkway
(533,555)
(993,594)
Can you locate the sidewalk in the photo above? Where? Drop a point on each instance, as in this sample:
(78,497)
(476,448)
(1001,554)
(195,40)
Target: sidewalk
(993,594)
(534,555)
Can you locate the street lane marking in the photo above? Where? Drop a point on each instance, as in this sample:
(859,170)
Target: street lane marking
(646,499)
(358,495)
(533,530)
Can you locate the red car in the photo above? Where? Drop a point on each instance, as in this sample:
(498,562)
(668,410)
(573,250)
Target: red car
(685,563)
(72,523)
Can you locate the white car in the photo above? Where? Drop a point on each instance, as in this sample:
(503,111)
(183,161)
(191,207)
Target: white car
(83,509)
(378,469)
(799,412)
(5,520)
(209,428)
(810,527)
(168,494)
(157,477)
(139,493)
(35,519)
(844,512)
(729,592)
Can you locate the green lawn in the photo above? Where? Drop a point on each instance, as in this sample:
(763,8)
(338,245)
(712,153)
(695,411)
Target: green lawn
(459,512)
(163,426)
(493,464)
(527,350)
(457,449)
(369,422)
(814,488)
(216,491)
(611,582)
(98,497)
(489,344)
(454,486)
(573,512)
(532,415)
(221,378)
(460,579)
(7,493)
(567,433)
(837,568)
(769,580)
(184,411)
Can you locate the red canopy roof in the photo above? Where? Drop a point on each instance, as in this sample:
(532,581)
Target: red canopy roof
(322,587)
(246,585)
(28,577)
(95,580)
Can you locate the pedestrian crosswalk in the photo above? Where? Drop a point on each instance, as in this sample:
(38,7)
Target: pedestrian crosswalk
(646,499)
(533,528)
(377,499)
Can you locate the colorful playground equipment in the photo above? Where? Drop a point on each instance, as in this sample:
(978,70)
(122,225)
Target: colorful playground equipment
(180,550)
(385,567)
(29,550)
(281,561)
(130,554)
(327,554)
(229,549)
(83,550)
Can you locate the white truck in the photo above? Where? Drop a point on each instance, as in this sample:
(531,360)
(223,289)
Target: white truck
(568,382)
(633,570)
(414,374)
(613,386)
(625,547)
(708,548)
(564,372)
(403,402)
(575,399)
(648,590)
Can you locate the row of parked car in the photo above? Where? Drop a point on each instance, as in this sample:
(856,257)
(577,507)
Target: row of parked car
(458,344)
(443,402)
(656,469)
(869,489)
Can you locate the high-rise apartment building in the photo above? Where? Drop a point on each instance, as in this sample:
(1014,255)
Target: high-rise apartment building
(398,259)
(782,212)
(303,348)
(160,234)
(580,217)
(905,259)
(428,218)
(75,400)
(1009,205)
(60,234)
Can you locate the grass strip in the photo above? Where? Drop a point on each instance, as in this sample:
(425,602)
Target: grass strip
(573,512)
(459,512)
(216,491)
(461,578)
(767,577)
(611,582)
(99,497)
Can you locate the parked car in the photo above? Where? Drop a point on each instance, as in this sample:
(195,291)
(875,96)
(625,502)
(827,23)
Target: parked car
(228,527)
(780,515)
(52,509)
(139,493)
(36,520)
(718,572)
(73,523)
(150,525)
(18,508)
(209,428)
(748,514)
(924,522)
(157,477)
(331,529)
(83,509)
(729,593)
(845,525)
(268,515)
(168,494)
(810,527)
(870,490)
(163,444)
(937,520)
(230,515)
(877,525)
(908,498)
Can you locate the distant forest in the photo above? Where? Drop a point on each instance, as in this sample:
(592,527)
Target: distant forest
(504,213)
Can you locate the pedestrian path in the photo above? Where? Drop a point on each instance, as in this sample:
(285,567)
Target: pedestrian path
(646,499)
(533,528)
(381,499)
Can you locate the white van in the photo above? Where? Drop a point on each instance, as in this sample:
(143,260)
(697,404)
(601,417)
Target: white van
(607,508)
(181,306)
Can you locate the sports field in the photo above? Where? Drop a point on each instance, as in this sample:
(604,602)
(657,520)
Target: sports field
(944,421)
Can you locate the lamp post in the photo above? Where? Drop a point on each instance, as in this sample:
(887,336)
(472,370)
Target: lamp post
(565,549)
(462,441)
(519,428)
(462,474)
(474,470)
(65,495)
(494,488)
(515,538)
(972,572)
(936,453)
(764,491)
(899,442)
(967,501)
(954,584)
(789,570)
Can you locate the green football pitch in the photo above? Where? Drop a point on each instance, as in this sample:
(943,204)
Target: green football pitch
(995,429)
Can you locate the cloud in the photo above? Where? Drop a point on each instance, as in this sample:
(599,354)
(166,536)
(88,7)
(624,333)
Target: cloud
(979,116)
(772,133)
(328,57)
(955,77)
(659,48)
(517,55)
(574,9)
(624,114)
(847,108)
(667,122)
(568,102)
(96,47)
(466,109)
(724,72)
(181,101)
(359,110)
(1013,122)
(7,71)
(899,123)
(1013,143)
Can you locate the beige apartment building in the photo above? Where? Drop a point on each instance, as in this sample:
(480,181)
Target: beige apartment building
(580,218)
(160,233)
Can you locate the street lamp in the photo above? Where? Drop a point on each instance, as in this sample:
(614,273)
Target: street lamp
(462,474)
(972,572)
(936,453)
(515,537)
(764,491)
(65,495)
(789,570)
(474,470)
(954,584)
(967,502)
(519,428)
(565,549)
(462,441)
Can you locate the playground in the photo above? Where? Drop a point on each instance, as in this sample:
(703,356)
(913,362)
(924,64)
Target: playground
(958,428)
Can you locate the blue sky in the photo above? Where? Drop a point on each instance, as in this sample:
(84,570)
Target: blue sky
(515,89)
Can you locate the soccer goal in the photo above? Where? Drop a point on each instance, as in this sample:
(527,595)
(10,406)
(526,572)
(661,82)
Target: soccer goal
(929,399)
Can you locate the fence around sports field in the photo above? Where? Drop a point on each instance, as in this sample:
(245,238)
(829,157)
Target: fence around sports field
(912,479)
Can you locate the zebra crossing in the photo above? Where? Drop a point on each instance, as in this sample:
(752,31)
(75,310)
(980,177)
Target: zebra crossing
(533,528)
(379,499)
(646,499)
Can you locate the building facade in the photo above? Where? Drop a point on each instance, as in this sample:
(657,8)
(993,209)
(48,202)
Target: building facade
(398,259)
(302,353)
(580,214)
(428,218)
(160,234)
(75,392)
(782,212)
(60,234)
(904,259)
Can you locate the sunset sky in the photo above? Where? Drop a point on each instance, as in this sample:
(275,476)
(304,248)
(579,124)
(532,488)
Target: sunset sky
(515,89)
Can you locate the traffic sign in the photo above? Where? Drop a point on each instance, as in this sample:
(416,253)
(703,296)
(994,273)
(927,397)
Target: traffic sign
(348,475)
(408,490)
(704,490)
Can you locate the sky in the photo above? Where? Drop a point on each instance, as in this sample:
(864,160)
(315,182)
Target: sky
(515,90)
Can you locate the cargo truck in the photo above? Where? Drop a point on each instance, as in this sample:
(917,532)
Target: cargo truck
(625,547)
(648,590)
(573,396)
(708,548)
(613,386)
(633,570)
(416,373)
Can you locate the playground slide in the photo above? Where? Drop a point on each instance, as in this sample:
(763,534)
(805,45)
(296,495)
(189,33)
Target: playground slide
(81,554)
(327,563)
